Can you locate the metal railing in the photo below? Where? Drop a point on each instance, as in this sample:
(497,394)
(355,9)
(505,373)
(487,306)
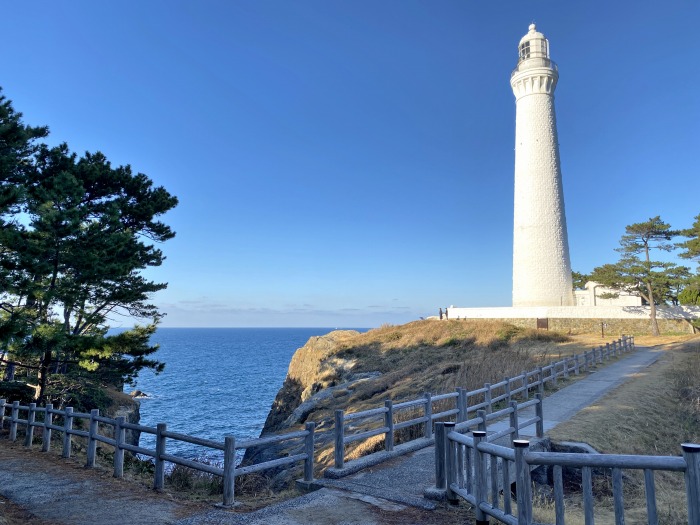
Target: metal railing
(543,62)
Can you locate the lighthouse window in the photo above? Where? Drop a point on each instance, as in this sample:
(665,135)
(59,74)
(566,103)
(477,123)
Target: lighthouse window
(525,50)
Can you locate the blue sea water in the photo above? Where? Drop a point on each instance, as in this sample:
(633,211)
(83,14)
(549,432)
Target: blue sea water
(217,381)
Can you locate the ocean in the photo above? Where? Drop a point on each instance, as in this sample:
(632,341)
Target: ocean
(217,381)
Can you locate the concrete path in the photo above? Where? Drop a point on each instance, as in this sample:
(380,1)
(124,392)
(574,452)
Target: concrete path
(567,402)
(386,494)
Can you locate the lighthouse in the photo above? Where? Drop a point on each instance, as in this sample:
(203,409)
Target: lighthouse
(541,264)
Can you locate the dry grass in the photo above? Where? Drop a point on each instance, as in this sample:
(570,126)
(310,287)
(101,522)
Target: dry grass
(651,415)
(424,356)
(418,357)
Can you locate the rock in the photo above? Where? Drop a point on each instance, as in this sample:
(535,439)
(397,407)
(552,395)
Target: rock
(129,407)
(138,394)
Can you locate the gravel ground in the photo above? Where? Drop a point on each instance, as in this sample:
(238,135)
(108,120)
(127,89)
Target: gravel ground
(45,489)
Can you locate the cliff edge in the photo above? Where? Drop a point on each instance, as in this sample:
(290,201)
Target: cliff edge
(355,371)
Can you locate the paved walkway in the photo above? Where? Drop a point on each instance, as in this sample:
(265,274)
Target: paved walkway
(389,493)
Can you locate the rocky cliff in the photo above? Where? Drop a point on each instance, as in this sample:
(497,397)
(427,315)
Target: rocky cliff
(356,371)
(125,405)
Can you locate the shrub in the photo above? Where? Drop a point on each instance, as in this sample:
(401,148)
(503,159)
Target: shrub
(16,391)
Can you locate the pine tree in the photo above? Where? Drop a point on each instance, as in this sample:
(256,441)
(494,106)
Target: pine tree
(77,234)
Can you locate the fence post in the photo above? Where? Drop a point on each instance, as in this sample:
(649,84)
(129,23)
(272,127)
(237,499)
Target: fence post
(566,368)
(2,414)
(450,462)
(600,354)
(487,397)
(462,405)
(526,386)
(389,424)
(92,442)
(29,434)
(514,421)
(553,373)
(522,482)
(482,415)
(119,438)
(67,428)
(339,452)
(428,414)
(309,451)
(585,362)
(607,350)
(480,477)
(540,374)
(539,426)
(48,421)
(508,398)
(14,416)
(159,477)
(440,458)
(632,345)
(691,454)
(229,470)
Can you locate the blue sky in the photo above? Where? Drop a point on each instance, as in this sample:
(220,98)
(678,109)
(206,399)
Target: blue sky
(350,163)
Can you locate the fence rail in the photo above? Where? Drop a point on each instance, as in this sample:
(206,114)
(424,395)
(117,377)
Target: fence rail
(465,403)
(118,425)
(479,471)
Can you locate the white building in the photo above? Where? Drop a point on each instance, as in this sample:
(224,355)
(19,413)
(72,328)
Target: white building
(541,264)
(595,294)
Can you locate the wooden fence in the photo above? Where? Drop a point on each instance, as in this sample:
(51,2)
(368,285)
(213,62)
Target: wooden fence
(480,472)
(465,403)
(486,400)
(119,426)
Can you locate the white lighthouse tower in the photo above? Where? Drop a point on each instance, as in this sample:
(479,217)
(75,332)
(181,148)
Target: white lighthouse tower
(541,264)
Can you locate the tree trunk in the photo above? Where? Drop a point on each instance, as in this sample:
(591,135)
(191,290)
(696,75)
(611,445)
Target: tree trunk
(652,312)
(652,304)
(44,374)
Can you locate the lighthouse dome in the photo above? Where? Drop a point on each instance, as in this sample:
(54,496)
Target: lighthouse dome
(533,45)
(532,34)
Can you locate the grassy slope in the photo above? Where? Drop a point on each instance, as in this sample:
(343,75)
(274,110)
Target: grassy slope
(418,357)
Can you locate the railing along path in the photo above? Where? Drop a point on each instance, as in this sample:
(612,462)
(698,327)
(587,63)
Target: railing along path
(119,426)
(388,419)
(481,472)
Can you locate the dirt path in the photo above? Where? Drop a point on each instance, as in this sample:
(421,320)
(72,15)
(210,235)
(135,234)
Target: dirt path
(45,489)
